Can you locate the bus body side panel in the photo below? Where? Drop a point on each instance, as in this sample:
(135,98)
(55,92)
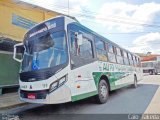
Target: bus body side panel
(86,77)
(86,86)
(118,75)
(83,82)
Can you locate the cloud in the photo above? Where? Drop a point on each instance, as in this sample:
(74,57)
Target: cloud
(127,17)
(147,43)
(148,38)
(75,6)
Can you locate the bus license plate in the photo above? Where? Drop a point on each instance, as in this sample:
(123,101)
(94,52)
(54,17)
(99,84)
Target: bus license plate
(31,96)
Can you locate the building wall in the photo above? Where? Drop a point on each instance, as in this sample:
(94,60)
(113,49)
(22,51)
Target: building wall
(16,19)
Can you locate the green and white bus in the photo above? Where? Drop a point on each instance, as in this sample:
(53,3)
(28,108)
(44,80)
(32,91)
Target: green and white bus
(64,61)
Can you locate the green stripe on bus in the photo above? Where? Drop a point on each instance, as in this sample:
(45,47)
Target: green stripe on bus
(120,86)
(82,96)
(113,77)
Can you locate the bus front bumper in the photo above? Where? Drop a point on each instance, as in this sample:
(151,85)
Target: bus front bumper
(60,95)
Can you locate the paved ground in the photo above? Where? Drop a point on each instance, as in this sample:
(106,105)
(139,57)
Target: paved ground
(154,106)
(124,101)
(151,79)
(9,100)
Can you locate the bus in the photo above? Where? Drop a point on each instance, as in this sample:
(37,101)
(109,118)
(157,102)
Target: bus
(64,61)
(151,67)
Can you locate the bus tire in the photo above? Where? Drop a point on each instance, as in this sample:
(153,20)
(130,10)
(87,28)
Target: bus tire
(150,72)
(103,92)
(135,82)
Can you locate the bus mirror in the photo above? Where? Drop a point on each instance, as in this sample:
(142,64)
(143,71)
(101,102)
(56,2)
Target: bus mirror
(15,52)
(72,64)
(80,39)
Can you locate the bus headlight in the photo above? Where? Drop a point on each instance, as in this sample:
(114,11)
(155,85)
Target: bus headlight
(53,86)
(57,84)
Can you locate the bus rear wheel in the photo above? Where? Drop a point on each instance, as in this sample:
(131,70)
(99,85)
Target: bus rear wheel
(103,92)
(151,72)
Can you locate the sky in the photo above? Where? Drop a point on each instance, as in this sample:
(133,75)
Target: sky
(132,24)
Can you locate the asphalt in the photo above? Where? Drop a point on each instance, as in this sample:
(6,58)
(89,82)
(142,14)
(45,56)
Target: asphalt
(123,101)
(154,106)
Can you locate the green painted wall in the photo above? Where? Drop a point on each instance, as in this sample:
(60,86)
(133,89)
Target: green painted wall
(9,69)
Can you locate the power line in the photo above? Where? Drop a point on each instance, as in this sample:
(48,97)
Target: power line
(111,19)
(119,17)
(122,22)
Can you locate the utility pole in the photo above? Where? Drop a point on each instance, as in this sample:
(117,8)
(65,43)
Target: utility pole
(68,7)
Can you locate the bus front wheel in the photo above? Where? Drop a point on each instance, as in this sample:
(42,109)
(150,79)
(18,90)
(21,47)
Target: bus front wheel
(103,92)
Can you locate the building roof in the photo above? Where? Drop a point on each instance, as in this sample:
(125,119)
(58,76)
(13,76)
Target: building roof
(25,4)
(151,57)
(33,6)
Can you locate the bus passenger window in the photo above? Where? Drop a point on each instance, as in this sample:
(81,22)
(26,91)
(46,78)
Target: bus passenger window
(100,50)
(130,59)
(126,61)
(111,54)
(85,50)
(119,56)
(73,43)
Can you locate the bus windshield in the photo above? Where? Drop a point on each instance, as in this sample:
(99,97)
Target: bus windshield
(148,64)
(46,51)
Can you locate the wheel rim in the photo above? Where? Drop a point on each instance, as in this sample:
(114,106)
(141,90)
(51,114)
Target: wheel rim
(103,91)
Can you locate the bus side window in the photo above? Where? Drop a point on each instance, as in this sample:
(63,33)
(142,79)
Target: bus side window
(81,54)
(119,55)
(134,61)
(73,43)
(130,59)
(111,53)
(85,50)
(126,61)
(139,62)
(100,50)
